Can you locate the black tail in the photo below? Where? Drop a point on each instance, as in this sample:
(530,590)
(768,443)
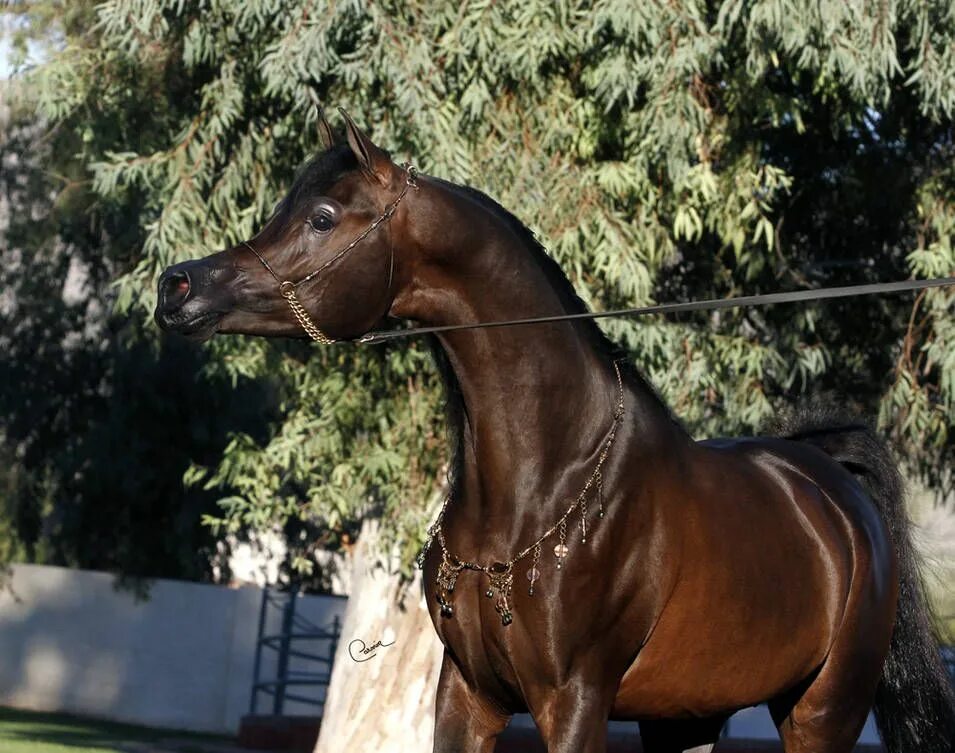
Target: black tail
(915,702)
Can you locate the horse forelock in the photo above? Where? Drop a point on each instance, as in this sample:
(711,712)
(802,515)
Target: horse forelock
(321,172)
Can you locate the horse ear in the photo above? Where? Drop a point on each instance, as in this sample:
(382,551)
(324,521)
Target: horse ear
(372,158)
(325,132)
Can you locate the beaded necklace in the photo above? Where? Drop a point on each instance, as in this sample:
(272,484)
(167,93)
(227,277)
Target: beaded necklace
(501,574)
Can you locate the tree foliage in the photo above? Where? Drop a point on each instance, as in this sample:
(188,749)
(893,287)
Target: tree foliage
(99,419)
(663,151)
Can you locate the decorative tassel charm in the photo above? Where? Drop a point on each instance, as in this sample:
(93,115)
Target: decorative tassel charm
(504,609)
(534,574)
(446,609)
(501,575)
(448,572)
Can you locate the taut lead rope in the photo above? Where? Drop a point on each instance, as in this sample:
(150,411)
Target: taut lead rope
(848,291)
(287,289)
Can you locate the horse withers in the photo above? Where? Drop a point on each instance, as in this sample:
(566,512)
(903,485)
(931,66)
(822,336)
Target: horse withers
(593,561)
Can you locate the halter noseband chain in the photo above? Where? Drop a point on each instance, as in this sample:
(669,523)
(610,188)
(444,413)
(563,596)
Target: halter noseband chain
(287,287)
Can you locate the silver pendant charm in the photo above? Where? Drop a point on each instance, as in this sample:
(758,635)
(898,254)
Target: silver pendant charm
(533,575)
(600,494)
(583,519)
(560,551)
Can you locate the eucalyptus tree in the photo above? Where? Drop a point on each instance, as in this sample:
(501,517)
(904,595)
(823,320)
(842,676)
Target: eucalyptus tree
(98,420)
(660,150)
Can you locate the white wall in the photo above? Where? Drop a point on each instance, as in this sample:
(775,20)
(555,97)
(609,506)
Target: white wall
(183,658)
(70,641)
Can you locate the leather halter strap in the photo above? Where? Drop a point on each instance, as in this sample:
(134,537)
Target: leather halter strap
(287,288)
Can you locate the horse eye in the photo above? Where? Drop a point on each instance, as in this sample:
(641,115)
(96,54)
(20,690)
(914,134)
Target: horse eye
(321,223)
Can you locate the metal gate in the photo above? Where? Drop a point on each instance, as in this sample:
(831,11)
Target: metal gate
(297,638)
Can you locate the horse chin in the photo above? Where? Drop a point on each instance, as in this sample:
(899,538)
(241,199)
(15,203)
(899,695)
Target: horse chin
(201,328)
(242,323)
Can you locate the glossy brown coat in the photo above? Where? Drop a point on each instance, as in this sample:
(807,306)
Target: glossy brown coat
(726,573)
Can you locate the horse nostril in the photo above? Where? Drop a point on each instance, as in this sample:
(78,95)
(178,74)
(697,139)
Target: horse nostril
(173,289)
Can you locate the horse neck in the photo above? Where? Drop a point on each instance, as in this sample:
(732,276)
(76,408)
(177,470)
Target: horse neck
(538,400)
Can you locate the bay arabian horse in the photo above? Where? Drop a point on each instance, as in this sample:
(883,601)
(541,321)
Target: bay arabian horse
(593,561)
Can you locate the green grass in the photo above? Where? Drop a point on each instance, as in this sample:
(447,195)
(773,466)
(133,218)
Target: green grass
(31,732)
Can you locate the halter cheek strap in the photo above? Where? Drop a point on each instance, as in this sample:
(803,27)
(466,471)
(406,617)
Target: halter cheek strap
(287,288)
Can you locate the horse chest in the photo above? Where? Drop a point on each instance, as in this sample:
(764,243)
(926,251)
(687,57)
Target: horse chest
(512,663)
(486,650)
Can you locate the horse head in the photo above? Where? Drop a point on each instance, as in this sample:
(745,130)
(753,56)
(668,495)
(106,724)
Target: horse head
(324,264)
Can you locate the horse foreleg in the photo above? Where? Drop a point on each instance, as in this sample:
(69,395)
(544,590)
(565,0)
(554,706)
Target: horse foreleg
(573,719)
(464,721)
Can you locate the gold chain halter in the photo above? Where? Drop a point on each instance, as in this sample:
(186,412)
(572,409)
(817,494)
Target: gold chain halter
(501,574)
(287,287)
(287,290)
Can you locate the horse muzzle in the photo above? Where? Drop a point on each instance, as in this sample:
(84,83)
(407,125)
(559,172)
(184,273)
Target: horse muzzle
(193,297)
